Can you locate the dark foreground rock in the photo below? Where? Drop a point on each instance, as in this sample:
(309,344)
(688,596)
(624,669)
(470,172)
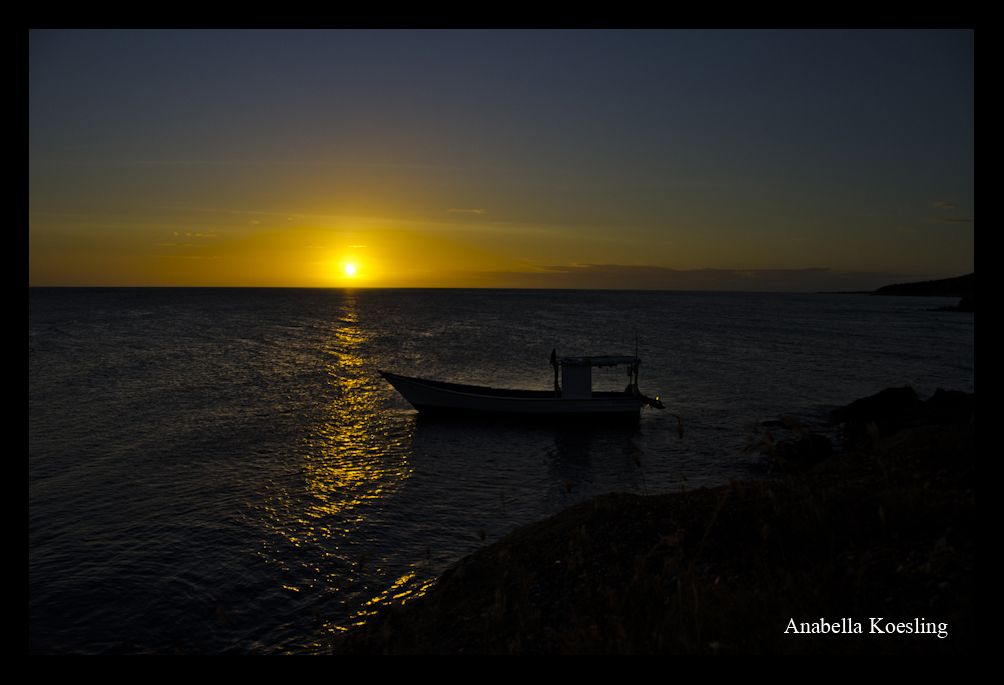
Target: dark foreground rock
(894,409)
(876,540)
(966,304)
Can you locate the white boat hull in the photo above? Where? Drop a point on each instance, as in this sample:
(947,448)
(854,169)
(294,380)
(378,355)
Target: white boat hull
(438,397)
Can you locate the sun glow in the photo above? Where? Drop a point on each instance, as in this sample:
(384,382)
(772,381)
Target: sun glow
(349,268)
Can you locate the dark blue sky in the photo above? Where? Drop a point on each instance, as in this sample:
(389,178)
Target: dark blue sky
(434,158)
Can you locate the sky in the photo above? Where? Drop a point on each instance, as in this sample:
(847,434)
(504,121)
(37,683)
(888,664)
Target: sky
(689,160)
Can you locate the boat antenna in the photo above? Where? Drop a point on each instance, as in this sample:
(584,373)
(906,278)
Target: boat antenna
(635,357)
(554,363)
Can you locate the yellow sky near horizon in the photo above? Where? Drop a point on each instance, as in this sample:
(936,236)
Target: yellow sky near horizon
(311,251)
(286,257)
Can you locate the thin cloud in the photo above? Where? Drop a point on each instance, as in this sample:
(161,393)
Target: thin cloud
(952,221)
(472,211)
(945,205)
(189,256)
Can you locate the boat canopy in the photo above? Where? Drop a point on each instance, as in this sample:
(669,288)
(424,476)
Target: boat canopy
(606,360)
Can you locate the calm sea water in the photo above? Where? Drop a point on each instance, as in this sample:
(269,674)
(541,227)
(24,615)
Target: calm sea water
(223,470)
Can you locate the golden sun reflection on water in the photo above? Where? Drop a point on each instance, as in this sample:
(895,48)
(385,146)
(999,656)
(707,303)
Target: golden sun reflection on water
(354,455)
(397,594)
(354,459)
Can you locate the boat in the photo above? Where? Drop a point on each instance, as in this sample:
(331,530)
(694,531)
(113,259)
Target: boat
(572,396)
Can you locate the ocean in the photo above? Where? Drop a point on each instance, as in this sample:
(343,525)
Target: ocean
(224,470)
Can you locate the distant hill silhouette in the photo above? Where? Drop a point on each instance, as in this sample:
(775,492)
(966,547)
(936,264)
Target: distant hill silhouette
(961,286)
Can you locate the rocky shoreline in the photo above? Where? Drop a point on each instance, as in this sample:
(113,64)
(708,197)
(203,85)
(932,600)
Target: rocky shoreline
(867,549)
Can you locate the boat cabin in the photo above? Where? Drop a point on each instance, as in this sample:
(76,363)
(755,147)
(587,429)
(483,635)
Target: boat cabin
(577,374)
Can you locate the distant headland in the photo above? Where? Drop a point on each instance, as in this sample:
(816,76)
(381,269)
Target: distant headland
(960,286)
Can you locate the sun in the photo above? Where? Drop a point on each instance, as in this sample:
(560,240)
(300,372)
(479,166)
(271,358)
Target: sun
(348,268)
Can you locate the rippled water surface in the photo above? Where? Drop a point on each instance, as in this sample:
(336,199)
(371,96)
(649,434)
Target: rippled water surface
(223,470)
